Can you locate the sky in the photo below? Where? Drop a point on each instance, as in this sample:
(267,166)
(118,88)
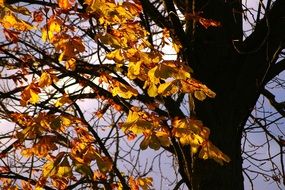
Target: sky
(259,183)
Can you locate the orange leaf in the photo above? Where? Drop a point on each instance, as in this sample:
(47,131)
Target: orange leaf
(209,22)
(65,4)
(45,80)
(30,94)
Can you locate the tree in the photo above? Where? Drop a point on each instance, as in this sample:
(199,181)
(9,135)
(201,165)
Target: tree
(197,105)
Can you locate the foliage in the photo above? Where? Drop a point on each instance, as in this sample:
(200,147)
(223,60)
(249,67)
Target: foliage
(88,84)
(53,130)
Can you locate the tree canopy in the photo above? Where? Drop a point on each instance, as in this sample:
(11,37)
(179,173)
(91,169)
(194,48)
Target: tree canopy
(106,94)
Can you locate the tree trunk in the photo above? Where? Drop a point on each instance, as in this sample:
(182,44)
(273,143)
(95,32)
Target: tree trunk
(236,72)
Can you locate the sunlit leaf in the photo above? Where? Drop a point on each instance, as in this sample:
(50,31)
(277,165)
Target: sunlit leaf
(63,100)
(64,168)
(65,4)
(30,94)
(124,91)
(200,95)
(145,183)
(45,80)
(70,64)
(10,21)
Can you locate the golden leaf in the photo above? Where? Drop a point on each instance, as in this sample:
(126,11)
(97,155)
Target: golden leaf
(115,55)
(2,3)
(169,88)
(152,90)
(124,91)
(70,64)
(200,95)
(145,183)
(64,168)
(9,21)
(210,151)
(64,4)
(63,100)
(45,80)
(30,94)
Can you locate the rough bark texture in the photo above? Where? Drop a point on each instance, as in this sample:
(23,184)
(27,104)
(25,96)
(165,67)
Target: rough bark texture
(236,72)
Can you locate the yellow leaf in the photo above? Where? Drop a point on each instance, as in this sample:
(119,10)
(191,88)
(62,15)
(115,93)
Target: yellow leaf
(163,138)
(49,169)
(152,90)
(145,183)
(70,64)
(169,88)
(134,69)
(113,41)
(45,80)
(64,4)
(10,21)
(177,46)
(65,121)
(63,100)
(64,169)
(200,95)
(210,151)
(30,95)
(115,55)
(135,123)
(124,91)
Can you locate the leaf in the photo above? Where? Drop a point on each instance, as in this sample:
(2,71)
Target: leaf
(30,94)
(70,64)
(169,88)
(163,138)
(2,3)
(113,41)
(11,35)
(65,4)
(104,164)
(9,21)
(135,123)
(45,80)
(56,123)
(152,90)
(145,183)
(19,9)
(38,16)
(200,95)
(124,91)
(63,100)
(115,55)
(53,27)
(64,168)
(210,151)
(83,169)
(209,22)
(49,169)
(134,69)
(133,183)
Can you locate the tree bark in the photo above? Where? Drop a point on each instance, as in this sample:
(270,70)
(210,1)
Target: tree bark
(236,72)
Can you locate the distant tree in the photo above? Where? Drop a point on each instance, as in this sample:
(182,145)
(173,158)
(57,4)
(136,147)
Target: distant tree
(89,87)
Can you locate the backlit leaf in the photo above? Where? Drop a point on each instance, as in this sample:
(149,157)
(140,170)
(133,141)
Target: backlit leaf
(64,168)
(30,94)
(65,4)
(63,100)
(45,80)
(124,91)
